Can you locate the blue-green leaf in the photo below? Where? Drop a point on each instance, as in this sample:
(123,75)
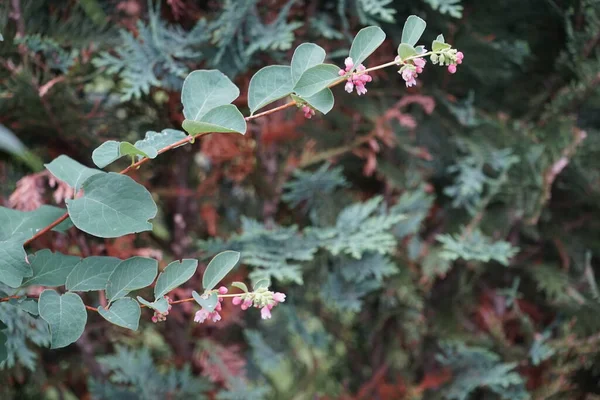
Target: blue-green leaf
(161,305)
(204,90)
(127,149)
(123,312)
(261,284)
(219,267)
(413,29)
(436,45)
(269,84)
(174,275)
(208,303)
(91,273)
(65,314)
(106,153)
(131,274)
(367,40)
(21,225)
(317,78)
(306,56)
(113,205)
(70,171)
(50,269)
(405,51)
(226,119)
(13,263)
(241,286)
(156,141)
(322,101)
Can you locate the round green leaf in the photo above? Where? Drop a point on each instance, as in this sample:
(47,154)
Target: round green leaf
(317,78)
(50,269)
(174,275)
(161,305)
(131,274)
(106,153)
(65,314)
(367,40)
(219,267)
(70,171)
(413,29)
(13,263)
(91,273)
(204,90)
(226,119)
(322,101)
(269,84)
(208,303)
(305,56)
(123,312)
(156,141)
(406,50)
(113,205)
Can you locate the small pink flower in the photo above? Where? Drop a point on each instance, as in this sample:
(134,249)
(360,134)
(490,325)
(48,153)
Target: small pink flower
(154,319)
(361,89)
(265,313)
(218,307)
(215,316)
(246,304)
(279,297)
(420,64)
(349,63)
(452,68)
(308,111)
(409,75)
(223,290)
(349,86)
(201,316)
(237,300)
(459,57)
(358,79)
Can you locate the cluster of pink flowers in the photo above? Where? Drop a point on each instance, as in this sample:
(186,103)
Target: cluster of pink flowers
(358,79)
(203,314)
(308,111)
(459,57)
(160,317)
(264,300)
(411,71)
(451,58)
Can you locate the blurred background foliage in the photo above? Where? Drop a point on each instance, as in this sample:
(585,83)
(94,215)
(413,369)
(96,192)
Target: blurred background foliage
(437,242)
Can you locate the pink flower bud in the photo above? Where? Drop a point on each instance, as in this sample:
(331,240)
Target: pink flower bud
(342,72)
(154,319)
(265,313)
(246,304)
(201,316)
(215,316)
(237,300)
(460,56)
(361,89)
(279,297)
(349,63)
(452,68)
(349,86)
(218,307)
(223,290)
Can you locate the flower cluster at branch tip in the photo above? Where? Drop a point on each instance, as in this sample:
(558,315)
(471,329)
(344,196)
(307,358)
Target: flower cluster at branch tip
(260,298)
(203,314)
(160,317)
(411,69)
(358,78)
(450,58)
(308,111)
